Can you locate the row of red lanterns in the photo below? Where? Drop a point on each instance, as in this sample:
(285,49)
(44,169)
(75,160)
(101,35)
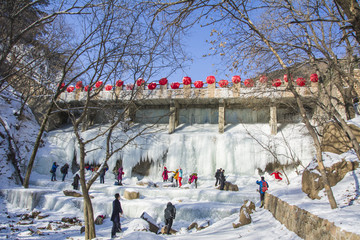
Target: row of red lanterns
(198,84)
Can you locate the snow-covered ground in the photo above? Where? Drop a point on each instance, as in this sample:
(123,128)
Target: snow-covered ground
(201,205)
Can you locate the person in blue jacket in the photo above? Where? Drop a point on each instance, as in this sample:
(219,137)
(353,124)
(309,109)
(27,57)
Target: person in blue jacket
(263,186)
(53,171)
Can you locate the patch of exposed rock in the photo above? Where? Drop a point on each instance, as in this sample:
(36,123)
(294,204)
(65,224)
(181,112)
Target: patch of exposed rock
(312,183)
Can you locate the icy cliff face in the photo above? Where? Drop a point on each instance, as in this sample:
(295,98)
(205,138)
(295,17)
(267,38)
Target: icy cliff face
(196,148)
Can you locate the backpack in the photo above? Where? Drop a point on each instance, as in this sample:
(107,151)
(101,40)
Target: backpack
(62,169)
(264,187)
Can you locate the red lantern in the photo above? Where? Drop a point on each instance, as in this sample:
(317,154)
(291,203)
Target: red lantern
(301,82)
(119,83)
(186,80)
(223,83)
(263,79)
(62,85)
(314,77)
(210,79)
(175,85)
(249,83)
(70,89)
(108,87)
(276,82)
(152,86)
(79,85)
(129,87)
(98,84)
(86,88)
(236,79)
(198,84)
(163,81)
(140,82)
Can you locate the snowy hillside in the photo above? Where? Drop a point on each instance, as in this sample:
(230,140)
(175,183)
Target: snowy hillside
(21,131)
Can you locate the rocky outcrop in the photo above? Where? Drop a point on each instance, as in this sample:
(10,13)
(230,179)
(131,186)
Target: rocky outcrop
(312,182)
(246,209)
(305,224)
(131,194)
(335,140)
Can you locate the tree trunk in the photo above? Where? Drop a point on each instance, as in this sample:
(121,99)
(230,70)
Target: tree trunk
(88,209)
(316,140)
(36,146)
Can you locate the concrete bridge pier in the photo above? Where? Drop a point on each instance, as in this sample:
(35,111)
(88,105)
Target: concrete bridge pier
(130,113)
(174,116)
(221,116)
(273,120)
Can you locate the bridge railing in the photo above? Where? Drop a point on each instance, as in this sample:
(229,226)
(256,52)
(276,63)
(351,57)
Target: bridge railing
(187,92)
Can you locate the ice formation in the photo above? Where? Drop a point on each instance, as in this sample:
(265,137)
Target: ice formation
(195,148)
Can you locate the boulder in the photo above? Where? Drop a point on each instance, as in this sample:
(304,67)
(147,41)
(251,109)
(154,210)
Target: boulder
(230,187)
(246,209)
(249,206)
(131,194)
(153,227)
(73,193)
(192,226)
(164,230)
(312,182)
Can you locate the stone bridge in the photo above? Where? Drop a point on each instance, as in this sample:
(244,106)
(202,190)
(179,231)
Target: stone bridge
(234,104)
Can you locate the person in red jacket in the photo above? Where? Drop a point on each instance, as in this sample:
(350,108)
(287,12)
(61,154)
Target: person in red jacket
(165,174)
(277,175)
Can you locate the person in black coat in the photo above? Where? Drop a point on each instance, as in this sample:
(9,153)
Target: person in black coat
(102,175)
(76,182)
(170,212)
(222,179)
(115,216)
(217,176)
(64,170)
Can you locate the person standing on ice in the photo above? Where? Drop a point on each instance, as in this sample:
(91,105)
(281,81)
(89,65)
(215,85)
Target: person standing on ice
(120,173)
(176,177)
(115,216)
(222,179)
(180,177)
(53,171)
(217,176)
(263,186)
(277,175)
(165,175)
(193,178)
(76,182)
(64,170)
(102,174)
(170,212)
